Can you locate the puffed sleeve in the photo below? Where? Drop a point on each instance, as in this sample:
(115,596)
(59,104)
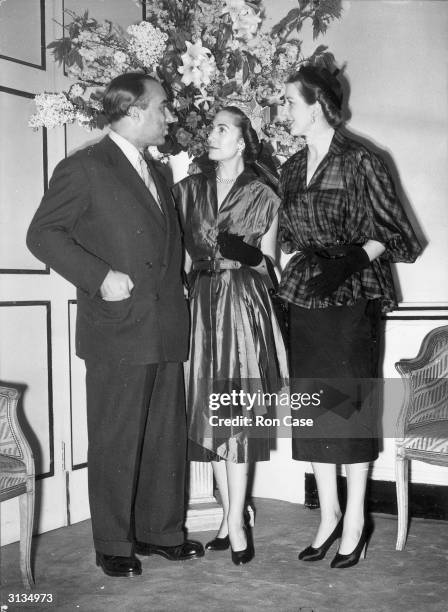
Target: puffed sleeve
(261,204)
(386,217)
(180,194)
(271,203)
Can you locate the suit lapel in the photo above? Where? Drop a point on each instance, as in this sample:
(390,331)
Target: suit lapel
(161,186)
(167,204)
(129,178)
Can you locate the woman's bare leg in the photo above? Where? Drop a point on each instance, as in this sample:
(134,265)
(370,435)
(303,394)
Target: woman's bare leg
(220,474)
(354,513)
(237,474)
(330,510)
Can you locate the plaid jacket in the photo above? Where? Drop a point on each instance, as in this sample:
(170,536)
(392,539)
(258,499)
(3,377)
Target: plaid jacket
(349,200)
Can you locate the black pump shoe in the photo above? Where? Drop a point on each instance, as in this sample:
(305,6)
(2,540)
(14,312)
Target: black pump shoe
(240,557)
(359,552)
(316,554)
(218,543)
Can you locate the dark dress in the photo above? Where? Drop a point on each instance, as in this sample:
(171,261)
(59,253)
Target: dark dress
(350,199)
(236,343)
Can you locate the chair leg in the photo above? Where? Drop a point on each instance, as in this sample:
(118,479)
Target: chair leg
(401,478)
(26,534)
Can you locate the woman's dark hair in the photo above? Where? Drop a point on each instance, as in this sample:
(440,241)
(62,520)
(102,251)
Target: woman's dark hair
(125,91)
(251,142)
(255,153)
(318,84)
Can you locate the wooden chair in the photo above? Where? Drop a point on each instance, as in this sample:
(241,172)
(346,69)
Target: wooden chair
(422,426)
(17,474)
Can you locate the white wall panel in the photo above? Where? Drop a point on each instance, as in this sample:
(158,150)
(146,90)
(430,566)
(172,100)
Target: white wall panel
(25,360)
(28,18)
(23,175)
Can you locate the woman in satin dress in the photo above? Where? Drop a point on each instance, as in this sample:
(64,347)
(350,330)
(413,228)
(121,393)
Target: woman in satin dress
(229,219)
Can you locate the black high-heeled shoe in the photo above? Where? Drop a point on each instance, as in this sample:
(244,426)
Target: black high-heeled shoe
(359,552)
(218,543)
(240,557)
(310,553)
(224,543)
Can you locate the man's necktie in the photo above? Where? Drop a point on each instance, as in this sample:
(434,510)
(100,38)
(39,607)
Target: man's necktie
(148,180)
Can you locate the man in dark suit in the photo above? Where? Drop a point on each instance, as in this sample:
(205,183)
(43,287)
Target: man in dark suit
(108,225)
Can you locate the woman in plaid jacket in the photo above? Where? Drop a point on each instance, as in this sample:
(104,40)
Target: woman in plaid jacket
(343,221)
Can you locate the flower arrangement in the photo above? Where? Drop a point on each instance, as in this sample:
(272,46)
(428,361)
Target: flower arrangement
(207,53)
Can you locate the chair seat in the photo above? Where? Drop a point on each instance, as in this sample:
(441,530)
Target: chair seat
(12,472)
(430,438)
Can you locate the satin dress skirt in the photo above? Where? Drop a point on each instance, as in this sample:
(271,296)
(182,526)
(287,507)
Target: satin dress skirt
(236,345)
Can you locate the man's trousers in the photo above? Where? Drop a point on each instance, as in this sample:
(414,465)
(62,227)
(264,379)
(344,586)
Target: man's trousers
(137,454)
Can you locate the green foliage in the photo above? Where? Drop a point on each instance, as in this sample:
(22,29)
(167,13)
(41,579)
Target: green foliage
(321,13)
(325,12)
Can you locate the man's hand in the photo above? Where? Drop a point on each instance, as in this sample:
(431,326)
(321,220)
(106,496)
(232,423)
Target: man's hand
(116,286)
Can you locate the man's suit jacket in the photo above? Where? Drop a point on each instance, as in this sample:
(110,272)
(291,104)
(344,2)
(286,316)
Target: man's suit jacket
(98,215)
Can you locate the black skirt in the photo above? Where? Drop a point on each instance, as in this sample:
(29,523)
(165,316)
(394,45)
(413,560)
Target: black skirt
(334,354)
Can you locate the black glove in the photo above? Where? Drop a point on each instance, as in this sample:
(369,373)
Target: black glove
(336,271)
(234,247)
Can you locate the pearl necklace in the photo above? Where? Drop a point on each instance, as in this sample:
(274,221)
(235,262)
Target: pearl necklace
(225,181)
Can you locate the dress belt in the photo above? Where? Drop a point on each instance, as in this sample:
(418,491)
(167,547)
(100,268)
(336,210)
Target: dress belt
(329,252)
(214,265)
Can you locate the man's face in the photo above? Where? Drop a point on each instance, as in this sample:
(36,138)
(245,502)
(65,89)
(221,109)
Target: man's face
(153,120)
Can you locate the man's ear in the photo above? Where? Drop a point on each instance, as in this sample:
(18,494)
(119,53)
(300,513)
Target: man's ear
(133,112)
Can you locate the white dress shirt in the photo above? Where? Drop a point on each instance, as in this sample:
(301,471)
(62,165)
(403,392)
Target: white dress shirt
(135,158)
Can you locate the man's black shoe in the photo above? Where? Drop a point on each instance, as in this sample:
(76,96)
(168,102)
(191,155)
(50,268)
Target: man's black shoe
(190,549)
(124,567)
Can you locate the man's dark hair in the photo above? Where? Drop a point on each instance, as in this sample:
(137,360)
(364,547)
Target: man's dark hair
(125,91)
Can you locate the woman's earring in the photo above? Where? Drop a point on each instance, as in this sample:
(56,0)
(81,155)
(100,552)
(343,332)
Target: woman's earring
(313,116)
(240,148)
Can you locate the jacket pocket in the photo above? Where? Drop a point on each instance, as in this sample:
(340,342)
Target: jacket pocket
(112,311)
